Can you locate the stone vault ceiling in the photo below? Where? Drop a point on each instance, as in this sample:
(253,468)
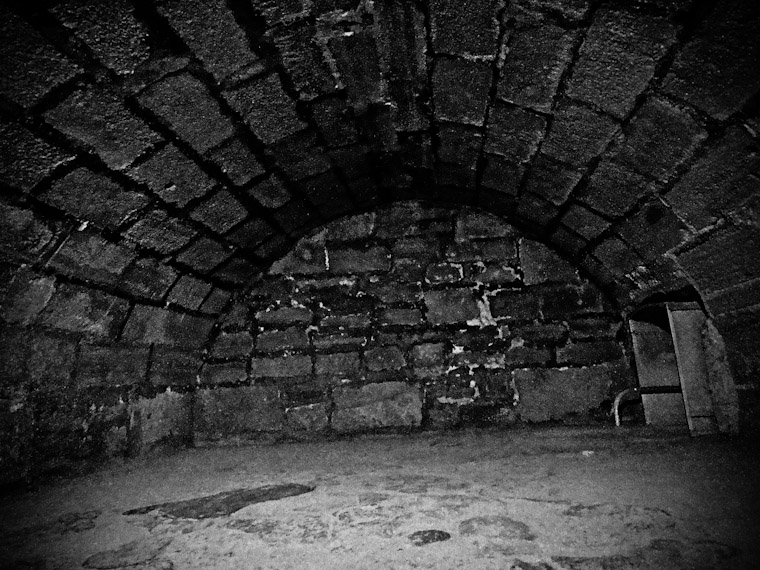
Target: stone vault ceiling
(166,152)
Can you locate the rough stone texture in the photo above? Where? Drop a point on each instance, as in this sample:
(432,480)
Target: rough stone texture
(220,212)
(232,345)
(577,134)
(223,373)
(25,159)
(173,368)
(86,253)
(514,133)
(452,306)
(163,419)
(465,29)
(81,310)
(22,234)
(148,325)
(389,404)
(204,255)
(237,161)
(236,412)
(160,232)
(461,89)
(613,189)
(310,418)
(26,296)
(111,365)
(540,264)
(282,367)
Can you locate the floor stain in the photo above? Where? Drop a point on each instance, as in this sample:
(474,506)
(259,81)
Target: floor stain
(496,527)
(423,537)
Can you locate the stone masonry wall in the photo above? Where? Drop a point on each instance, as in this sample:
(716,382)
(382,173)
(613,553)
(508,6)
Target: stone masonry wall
(411,316)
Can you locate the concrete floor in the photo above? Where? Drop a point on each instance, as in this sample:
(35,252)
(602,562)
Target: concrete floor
(553,498)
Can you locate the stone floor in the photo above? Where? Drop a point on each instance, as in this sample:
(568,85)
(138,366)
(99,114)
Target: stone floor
(552,498)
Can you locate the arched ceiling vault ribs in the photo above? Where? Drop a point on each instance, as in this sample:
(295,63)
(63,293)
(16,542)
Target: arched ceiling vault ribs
(192,143)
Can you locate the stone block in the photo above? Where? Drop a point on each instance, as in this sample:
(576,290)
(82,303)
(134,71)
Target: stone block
(338,364)
(158,231)
(428,355)
(494,273)
(174,367)
(165,418)
(86,255)
(51,361)
(557,394)
(469,29)
(288,366)
(93,198)
(350,260)
(14,358)
(148,278)
(266,108)
(401,317)
(111,31)
(590,328)
(339,339)
(224,373)
(302,56)
(82,310)
(220,212)
(290,338)
(236,271)
(522,355)
(537,58)
(25,159)
(654,229)
(461,90)
(514,305)
(270,193)
(204,254)
(561,302)
(216,302)
(284,316)
(444,273)
(387,404)
(618,58)
(357,62)
(459,144)
(577,134)
(591,352)
(305,154)
(551,181)
(27,295)
(308,257)
(187,107)
(503,176)
(718,182)
(210,30)
(111,365)
(309,418)
(232,345)
(613,189)
(384,358)
(99,119)
(514,133)
(549,333)
(496,249)
(474,224)
(584,222)
(451,306)
(31,66)
(189,292)
(237,161)
(152,325)
(716,70)
(223,413)
(659,138)
(617,256)
(172,176)
(541,264)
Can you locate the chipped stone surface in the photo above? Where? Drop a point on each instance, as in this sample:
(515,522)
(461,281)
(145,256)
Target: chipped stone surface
(389,404)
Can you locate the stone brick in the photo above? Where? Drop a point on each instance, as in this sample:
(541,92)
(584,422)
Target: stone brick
(171,367)
(148,278)
(232,345)
(165,418)
(274,341)
(237,161)
(659,138)
(617,256)
(302,155)
(173,176)
(726,259)
(590,328)
(148,325)
(27,295)
(585,353)
(384,358)
(284,316)
(302,56)
(551,180)
(220,212)
(388,404)
(110,30)
(720,181)
(540,264)
(571,10)
(613,189)
(31,66)
(236,271)
(81,310)
(459,144)
(308,257)
(187,107)
(451,306)
(401,317)
(281,367)
(502,175)
(338,340)
(282,11)
(556,394)
(210,30)
(561,302)
(357,62)
(338,364)
(428,355)
(216,302)
(270,193)
(514,305)
(111,365)
(93,198)
(51,361)
(577,134)
(443,273)
(618,58)
(534,65)
(25,159)
(469,29)
(88,256)
(544,333)
(494,273)
(229,412)
(522,355)
(514,133)
(99,119)
(653,230)
(716,70)
(482,250)
(540,209)
(157,231)
(584,222)
(204,255)
(266,108)
(22,234)
(224,373)
(189,292)
(734,298)
(373,259)
(474,224)
(14,358)
(310,418)
(328,193)
(461,90)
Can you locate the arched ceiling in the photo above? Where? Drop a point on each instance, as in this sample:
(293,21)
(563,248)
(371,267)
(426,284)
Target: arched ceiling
(147,143)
